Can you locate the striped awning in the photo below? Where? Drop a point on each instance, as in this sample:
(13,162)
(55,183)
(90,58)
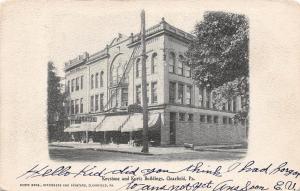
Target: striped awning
(135,122)
(112,123)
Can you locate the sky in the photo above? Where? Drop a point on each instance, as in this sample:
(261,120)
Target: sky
(89,26)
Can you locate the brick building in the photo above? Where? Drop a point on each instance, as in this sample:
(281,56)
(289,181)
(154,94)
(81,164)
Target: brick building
(102,85)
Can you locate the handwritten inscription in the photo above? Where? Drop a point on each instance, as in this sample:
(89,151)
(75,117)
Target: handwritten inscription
(137,178)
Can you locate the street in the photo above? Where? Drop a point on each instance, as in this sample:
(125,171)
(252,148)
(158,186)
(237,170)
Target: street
(74,154)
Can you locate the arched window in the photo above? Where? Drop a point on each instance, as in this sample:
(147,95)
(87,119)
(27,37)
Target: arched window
(172,62)
(154,63)
(101,78)
(180,65)
(138,68)
(117,70)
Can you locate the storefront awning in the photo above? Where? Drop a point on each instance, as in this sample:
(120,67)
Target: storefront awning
(84,126)
(73,128)
(135,122)
(112,123)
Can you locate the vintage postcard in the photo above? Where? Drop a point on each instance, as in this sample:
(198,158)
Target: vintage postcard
(150,95)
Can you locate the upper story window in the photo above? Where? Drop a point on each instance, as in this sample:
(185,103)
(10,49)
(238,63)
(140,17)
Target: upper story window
(208,101)
(138,94)
(96,102)
(188,97)
(138,68)
(76,106)
(72,107)
(72,85)
(101,102)
(81,105)
(68,88)
(201,93)
(154,63)
(187,71)
(234,105)
(81,82)
(96,80)
(92,103)
(77,84)
(172,62)
(180,65)
(101,78)
(229,105)
(124,97)
(117,70)
(180,93)
(172,92)
(92,81)
(154,92)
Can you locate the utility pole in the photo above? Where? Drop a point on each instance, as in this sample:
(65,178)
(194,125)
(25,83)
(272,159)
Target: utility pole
(144,86)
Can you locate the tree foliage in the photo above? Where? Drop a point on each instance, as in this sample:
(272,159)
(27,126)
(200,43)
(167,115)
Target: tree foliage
(55,100)
(219,55)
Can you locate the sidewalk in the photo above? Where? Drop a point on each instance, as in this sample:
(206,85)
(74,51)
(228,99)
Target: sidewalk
(123,148)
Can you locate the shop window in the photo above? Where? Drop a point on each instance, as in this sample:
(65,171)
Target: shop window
(209,119)
(190,117)
(181,116)
(224,120)
(230,120)
(202,118)
(216,119)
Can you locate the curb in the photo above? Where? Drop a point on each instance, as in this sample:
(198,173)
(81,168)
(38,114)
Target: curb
(219,150)
(117,151)
(108,150)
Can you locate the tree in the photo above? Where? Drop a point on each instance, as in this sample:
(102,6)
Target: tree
(55,101)
(218,57)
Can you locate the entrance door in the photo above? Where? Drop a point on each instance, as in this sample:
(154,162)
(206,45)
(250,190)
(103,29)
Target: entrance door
(172,128)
